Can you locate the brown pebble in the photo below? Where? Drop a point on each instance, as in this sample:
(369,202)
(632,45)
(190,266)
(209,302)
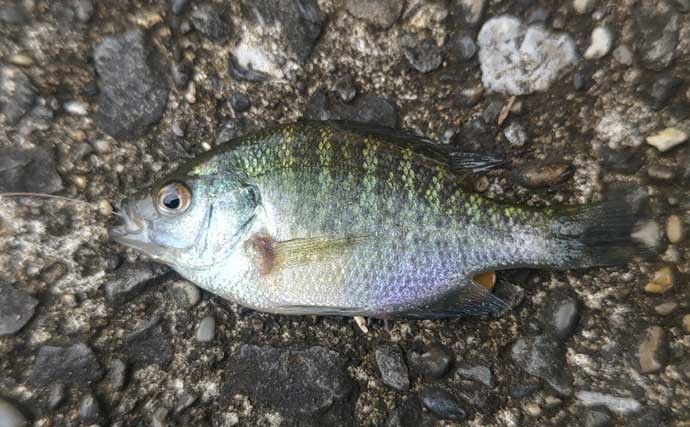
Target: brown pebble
(666,308)
(662,281)
(674,229)
(540,175)
(652,352)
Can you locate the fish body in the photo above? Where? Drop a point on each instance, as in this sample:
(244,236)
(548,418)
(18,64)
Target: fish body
(336,218)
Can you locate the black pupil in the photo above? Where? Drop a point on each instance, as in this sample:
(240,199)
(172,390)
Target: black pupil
(171,201)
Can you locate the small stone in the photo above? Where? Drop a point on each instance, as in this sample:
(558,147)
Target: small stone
(209,20)
(345,88)
(392,367)
(597,418)
(178,128)
(471,95)
(89,410)
(16,309)
(663,89)
(148,345)
(657,37)
(561,314)
(21,60)
(364,109)
(407,414)
(185,401)
(675,230)
(649,234)
(75,364)
(158,417)
(206,330)
(423,56)
(661,173)
(667,139)
(517,59)
(10,416)
(618,405)
(129,280)
(623,54)
(131,96)
(433,363)
(17,94)
(515,134)
(491,112)
(666,308)
(584,6)
(543,357)
(178,7)
(239,102)
(543,174)
(185,293)
(662,282)
(83,9)
(442,404)
(77,108)
(480,374)
(472,11)
(686,323)
(56,395)
(464,47)
(622,160)
(652,352)
(117,374)
(601,43)
(578,81)
(618,131)
(379,13)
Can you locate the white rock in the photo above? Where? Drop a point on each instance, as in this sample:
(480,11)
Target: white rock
(619,405)
(623,55)
(206,329)
(10,416)
(617,131)
(584,6)
(474,9)
(649,234)
(518,59)
(515,134)
(667,139)
(76,107)
(601,44)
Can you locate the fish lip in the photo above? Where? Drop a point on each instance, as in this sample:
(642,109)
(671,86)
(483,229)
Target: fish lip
(131,226)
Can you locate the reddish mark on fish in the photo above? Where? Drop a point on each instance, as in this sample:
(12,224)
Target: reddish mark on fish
(264,253)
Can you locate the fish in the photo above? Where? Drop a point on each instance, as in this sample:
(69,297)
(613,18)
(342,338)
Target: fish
(350,219)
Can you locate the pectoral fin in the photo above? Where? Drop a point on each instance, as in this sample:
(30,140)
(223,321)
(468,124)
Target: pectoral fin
(272,255)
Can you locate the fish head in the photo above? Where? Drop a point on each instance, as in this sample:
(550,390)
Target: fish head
(189,221)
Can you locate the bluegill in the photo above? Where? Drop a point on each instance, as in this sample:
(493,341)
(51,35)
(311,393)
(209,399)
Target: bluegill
(347,219)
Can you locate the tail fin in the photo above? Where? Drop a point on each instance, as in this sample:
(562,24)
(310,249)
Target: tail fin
(601,234)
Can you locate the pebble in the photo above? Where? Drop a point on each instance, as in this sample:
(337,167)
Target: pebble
(618,405)
(464,47)
(407,414)
(661,173)
(149,345)
(686,323)
(131,94)
(543,357)
(623,54)
(364,108)
(178,7)
(209,20)
(56,395)
(666,308)
(434,363)
(206,329)
(158,417)
(667,139)
(83,9)
(16,308)
(543,174)
(425,14)
(597,418)
(392,366)
(442,404)
(472,10)
(17,93)
(89,410)
(185,401)
(305,383)
(625,160)
(21,60)
(521,68)
(662,281)
(129,280)
(239,102)
(584,6)
(105,208)
(480,374)
(675,230)
(10,416)
(515,134)
(649,234)
(663,89)
(345,88)
(657,37)
(379,13)
(601,43)
(652,352)
(618,131)
(424,56)
(76,364)
(185,293)
(117,374)
(561,314)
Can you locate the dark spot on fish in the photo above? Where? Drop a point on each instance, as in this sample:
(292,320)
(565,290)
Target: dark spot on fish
(264,255)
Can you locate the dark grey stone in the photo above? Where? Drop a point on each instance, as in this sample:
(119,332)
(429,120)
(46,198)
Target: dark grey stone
(178,7)
(210,20)
(379,13)
(433,363)
(56,395)
(75,364)
(346,89)
(423,56)
(130,280)
(662,90)
(89,410)
(30,170)
(543,357)
(17,93)
(561,314)
(132,93)
(462,47)
(389,359)
(12,12)
(442,404)
(597,418)
(621,160)
(479,373)
(657,37)
(149,345)
(239,102)
(302,384)
(364,108)
(117,374)
(16,309)
(407,414)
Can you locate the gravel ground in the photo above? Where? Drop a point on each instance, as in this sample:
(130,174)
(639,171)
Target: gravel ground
(100,97)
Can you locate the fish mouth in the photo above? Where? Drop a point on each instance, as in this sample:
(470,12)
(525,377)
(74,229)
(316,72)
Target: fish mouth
(131,231)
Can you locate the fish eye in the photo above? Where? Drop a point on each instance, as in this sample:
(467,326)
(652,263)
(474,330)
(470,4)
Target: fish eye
(173,198)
